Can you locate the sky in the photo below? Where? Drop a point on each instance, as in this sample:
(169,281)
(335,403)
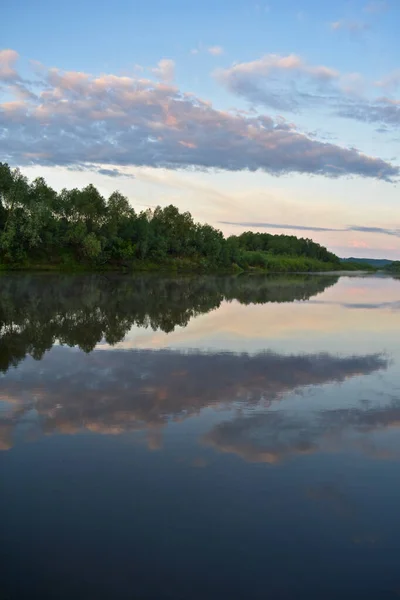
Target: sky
(279,116)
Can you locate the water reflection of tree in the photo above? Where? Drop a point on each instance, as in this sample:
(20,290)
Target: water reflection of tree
(36,311)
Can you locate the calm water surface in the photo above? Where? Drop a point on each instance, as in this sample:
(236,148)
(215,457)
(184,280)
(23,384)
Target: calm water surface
(199,438)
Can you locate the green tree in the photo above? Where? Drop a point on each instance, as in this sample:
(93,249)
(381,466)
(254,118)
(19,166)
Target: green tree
(40,226)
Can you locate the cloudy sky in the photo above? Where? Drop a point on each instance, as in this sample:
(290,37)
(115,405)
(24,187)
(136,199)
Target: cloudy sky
(279,116)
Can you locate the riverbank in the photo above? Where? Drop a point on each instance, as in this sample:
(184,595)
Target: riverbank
(285,266)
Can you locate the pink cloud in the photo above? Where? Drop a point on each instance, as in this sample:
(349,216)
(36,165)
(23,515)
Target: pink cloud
(275,62)
(8,58)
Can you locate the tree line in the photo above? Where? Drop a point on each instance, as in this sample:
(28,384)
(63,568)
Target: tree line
(79,227)
(393,268)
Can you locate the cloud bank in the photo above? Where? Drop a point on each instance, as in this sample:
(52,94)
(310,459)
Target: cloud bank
(76,119)
(384,110)
(288,83)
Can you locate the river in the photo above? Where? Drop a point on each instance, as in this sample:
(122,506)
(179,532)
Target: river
(199,438)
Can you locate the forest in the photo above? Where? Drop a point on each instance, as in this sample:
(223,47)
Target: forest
(79,229)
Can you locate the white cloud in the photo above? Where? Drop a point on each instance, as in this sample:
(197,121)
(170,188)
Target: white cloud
(390,81)
(275,62)
(351,26)
(288,83)
(256,80)
(165,70)
(215,50)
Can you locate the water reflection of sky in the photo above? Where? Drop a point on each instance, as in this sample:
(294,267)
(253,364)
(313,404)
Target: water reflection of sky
(257,448)
(335,355)
(355,314)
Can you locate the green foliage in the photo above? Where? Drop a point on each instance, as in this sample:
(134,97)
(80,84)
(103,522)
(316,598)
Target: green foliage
(91,246)
(285,245)
(394,267)
(353,265)
(80,229)
(282,264)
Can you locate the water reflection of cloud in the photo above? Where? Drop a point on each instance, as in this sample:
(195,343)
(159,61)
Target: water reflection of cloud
(276,436)
(395,305)
(112,392)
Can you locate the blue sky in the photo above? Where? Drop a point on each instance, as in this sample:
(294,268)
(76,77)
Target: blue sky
(278,113)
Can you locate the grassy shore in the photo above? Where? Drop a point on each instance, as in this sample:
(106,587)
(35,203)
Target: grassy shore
(250,262)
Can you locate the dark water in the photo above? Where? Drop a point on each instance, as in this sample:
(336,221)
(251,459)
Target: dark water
(199,438)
